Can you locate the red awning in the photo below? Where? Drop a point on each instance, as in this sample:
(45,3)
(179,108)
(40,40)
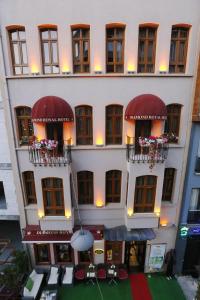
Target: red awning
(34,234)
(52,109)
(146,107)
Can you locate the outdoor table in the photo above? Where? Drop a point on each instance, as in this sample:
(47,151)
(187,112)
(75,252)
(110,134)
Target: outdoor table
(91,273)
(112,274)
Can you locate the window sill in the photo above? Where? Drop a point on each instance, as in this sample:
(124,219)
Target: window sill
(103,75)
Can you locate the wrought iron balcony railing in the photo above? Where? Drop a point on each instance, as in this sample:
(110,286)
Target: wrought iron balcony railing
(57,154)
(152,153)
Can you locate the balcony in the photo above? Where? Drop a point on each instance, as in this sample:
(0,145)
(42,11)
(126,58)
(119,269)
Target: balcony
(193,217)
(151,152)
(49,153)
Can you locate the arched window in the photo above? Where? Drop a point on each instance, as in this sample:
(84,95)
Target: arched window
(147,48)
(24,123)
(29,185)
(114,119)
(145,190)
(178,48)
(113,186)
(18,50)
(168,184)
(81,48)
(115,48)
(172,123)
(85,187)
(49,47)
(53,196)
(84,134)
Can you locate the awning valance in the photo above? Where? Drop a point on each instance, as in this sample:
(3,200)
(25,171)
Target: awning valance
(120,233)
(52,109)
(146,107)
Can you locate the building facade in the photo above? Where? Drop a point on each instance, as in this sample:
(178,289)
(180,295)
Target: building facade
(188,237)
(86,83)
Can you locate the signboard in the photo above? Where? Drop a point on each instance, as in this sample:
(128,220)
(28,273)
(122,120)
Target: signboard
(156,257)
(98,251)
(184,231)
(194,230)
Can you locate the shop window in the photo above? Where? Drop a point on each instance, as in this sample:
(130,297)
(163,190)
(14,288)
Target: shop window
(49,47)
(114,124)
(194,209)
(113,252)
(172,124)
(81,49)
(178,49)
(18,49)
(147,49)
(145,190)
(113,186)
(85,187)
(115,49)
(84,135)
(29,185)
(2,196)
(53,196)
(85,257)
(63,253)
(168,184)
(42,254)
(24,123)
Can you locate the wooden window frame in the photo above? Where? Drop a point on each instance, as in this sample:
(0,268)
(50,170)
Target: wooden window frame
(119,245)
(88,182)
(26,118)
(114,136)
(19,42)
(111,179)
(177,40)
(81,39)
(145,187)
(168,181)
(36,246)
(53,191)
(56,256)
(115,39)
(82,138)
(169,121)
(146,40)
(28,177)
(91,256)
(50,42)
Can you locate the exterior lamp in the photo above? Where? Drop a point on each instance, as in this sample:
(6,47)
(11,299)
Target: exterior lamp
(130,212)
(35,73)
(34,70)
(82,240)
(68,214)
(40,214)
(99,142)
(163,69)
(97,69)
(99,203)
(131,69)
(65,70)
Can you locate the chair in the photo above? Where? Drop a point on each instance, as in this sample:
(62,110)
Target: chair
(67,276)
(101,271)
(122,272)
(79,273)
(53,277)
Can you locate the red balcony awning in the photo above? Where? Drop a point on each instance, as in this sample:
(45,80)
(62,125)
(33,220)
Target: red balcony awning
(52,109)
(146,107)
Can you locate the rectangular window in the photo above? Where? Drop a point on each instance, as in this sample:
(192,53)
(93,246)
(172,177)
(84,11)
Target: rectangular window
(29,184)
(113,186)
(25,126)
(114,123)
(49,46)
(85,257)
(115,50)
(63,253)
(85,187)
(194,210)
(2,197)
(42,254)
(168,184)
(172,124)
(84,130)
(81,50)
(146,49)
(178,49)
(18,51)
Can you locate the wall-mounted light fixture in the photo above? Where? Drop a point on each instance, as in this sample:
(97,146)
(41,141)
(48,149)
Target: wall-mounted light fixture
(99,142)
(66,70)
(131,69)
(40,213)
(99,203)
(68,213)
(163,69)
(130,212)
(157,212)
(35,73)
(97,69)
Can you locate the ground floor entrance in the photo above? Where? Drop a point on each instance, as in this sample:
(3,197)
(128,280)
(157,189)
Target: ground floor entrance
(192,256)
(135,252)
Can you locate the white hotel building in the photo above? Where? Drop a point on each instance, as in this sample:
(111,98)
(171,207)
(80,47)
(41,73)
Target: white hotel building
(95,76)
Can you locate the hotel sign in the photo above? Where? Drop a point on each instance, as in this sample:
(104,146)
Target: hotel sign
(99,251)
